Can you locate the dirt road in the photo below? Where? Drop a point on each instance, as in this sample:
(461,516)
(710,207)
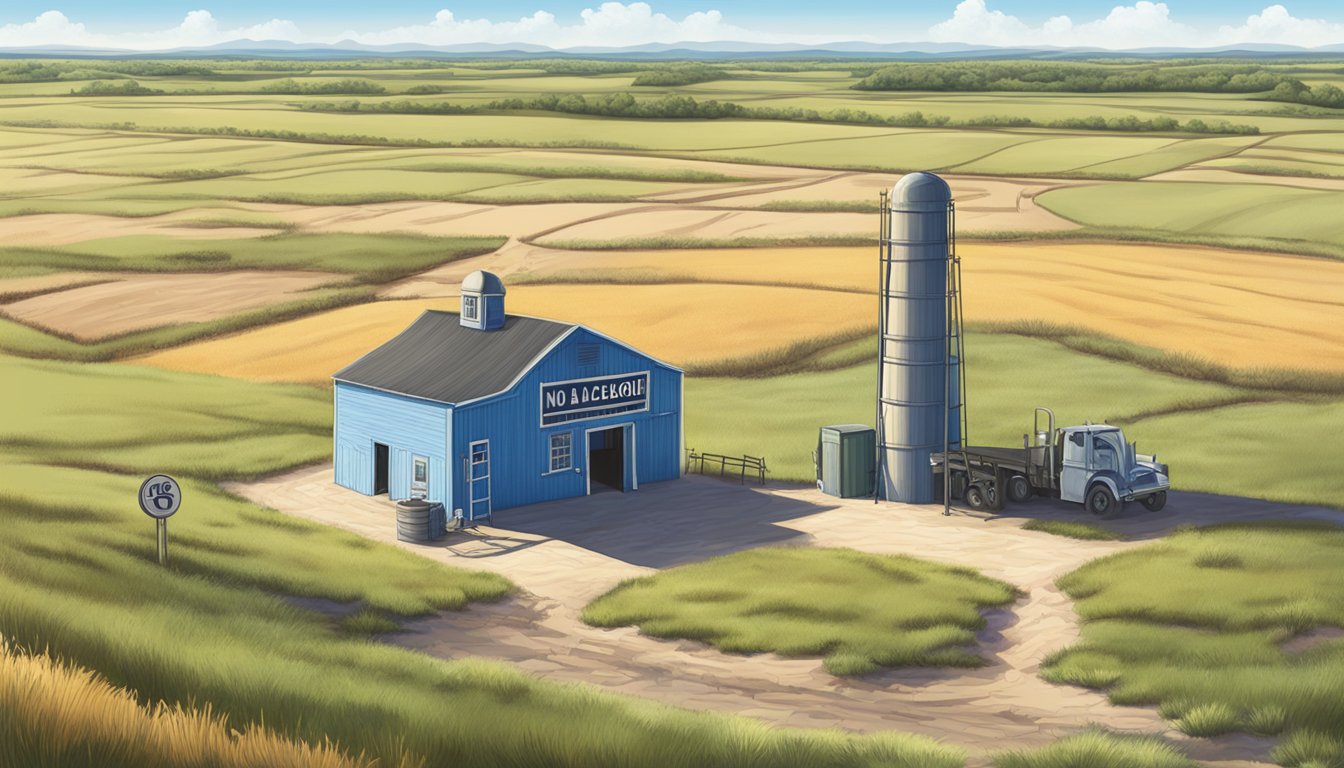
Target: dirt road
(567,553)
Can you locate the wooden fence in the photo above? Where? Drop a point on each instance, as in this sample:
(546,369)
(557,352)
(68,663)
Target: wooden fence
(742,466)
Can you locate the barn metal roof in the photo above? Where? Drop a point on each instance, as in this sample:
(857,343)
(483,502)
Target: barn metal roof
(436,358)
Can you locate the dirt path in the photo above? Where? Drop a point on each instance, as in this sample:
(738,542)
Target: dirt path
(567,553)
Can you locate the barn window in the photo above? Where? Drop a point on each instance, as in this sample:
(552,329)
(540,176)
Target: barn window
(589,354)
(562,451)
(469,307)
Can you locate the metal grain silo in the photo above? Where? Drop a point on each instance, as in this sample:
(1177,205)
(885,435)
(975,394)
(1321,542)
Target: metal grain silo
(919,376)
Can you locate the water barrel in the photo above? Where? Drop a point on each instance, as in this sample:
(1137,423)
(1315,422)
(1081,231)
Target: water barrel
(438,521)
(413,520)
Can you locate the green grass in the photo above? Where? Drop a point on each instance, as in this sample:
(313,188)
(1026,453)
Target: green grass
(1098,748)
(128,418)
(733,416)
(1284,215)
(1193,624)
(1085,340)
(1283,451)
(860,611)
(371,258)
(1074,530)
(78,576)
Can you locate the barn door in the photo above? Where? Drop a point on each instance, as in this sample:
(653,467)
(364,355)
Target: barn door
(479,481)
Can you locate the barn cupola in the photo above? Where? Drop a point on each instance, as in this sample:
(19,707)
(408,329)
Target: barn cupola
(483,301)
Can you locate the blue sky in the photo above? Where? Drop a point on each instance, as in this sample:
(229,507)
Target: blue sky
(1127,23)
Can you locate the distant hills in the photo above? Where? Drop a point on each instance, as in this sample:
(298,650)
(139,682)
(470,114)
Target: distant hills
(661,51)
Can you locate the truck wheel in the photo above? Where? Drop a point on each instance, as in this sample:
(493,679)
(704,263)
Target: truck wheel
(976,498)
(1156,502)
(1101,502)
(1019,489)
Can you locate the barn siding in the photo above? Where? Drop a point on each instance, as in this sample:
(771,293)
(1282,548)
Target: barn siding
(520,446)
(408,426)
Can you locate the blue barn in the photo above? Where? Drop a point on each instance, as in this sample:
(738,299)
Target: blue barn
(483,411)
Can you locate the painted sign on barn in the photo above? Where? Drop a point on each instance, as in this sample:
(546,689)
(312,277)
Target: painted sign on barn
(578,399)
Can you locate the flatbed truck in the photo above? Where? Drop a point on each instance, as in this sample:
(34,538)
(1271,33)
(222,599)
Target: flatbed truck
(1091,465)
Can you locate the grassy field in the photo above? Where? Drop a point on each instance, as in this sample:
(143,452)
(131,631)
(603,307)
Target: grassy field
(54,713)
(1277,215)
(1098,747)
(860,611)
(1196,622)
(217,627)
(731,416)
(1074,530)
(364,259)
(1223,361)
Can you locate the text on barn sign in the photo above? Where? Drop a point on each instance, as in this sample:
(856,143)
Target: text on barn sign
(579,399)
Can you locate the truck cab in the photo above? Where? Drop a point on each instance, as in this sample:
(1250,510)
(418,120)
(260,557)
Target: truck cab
(1100,470)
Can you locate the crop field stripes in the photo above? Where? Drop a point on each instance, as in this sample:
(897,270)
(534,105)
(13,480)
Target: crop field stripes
(1088,341)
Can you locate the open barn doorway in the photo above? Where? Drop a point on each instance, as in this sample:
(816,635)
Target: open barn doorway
(380,465)
(606,460)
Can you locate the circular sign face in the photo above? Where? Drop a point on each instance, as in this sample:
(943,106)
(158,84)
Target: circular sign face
(160,496)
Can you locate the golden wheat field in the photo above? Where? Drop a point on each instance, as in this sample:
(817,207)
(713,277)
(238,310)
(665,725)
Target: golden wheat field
(1238,308)
(1235,307)
(677,323)
(47,704)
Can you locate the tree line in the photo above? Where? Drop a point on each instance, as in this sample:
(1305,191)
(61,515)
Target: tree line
(1062,77)
(625,105)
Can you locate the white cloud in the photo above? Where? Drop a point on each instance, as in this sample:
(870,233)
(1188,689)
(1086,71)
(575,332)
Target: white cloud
(1276,25)
(1140,25)
(610,24)
(48,28)
(972,22)
(1145,23)
(197,28)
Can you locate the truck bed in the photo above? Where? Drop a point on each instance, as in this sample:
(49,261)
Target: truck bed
(1000,455)
(1009,458)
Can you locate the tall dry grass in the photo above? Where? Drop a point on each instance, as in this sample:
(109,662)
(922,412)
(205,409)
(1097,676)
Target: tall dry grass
(56,713)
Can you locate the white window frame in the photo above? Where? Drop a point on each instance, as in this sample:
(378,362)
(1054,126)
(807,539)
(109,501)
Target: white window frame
(474,302)
(419,486)
(568,452)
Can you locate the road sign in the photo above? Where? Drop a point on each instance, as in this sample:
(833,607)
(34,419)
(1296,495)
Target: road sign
(160,496)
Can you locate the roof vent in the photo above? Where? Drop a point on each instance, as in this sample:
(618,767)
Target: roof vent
(483,301)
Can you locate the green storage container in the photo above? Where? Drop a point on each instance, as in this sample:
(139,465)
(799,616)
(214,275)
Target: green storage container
(847,460)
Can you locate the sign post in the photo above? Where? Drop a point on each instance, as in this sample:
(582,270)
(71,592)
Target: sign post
(160,496)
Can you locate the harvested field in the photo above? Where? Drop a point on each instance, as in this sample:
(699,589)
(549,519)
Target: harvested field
(440,218)
(309,349)
(677,222)
(1234,307)
(1239,308)
(672,322)
(1218,176)
(134,303)
(67,228)
(702,211)
(48,281)
(983,204)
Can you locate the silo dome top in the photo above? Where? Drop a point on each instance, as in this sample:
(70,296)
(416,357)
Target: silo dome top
(486,283)
(921,187)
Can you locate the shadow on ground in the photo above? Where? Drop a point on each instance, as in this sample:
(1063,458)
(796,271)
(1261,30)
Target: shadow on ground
(666,524)
(1136,523)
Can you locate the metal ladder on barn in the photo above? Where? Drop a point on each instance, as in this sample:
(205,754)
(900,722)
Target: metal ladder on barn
(955,343)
